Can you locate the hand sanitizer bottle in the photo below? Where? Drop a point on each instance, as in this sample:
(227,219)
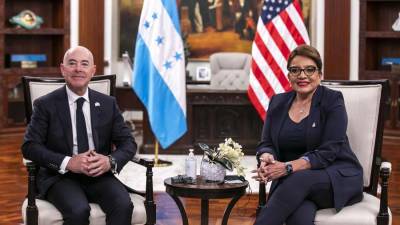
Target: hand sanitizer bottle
(190,165)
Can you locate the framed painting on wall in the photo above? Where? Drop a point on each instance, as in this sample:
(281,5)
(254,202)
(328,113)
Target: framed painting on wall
(129,17)
(210,26)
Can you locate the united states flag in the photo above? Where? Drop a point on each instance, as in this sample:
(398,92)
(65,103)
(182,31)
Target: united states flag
(280,29)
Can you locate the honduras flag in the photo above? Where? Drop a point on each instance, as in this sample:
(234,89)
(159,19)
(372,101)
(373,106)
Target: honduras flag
(159,70)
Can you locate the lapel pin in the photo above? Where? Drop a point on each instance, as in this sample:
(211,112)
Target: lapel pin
(313,125)
(97,104)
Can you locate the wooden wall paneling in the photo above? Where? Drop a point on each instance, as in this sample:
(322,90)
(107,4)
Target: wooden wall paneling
(2,99)
(63,21)
(337,40)
(91,30)
(394,116)
(3,102)
(2,14)
(362,43)
(2,58)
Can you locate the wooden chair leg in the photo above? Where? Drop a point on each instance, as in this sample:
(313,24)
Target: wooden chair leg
(31,209)
(149,202)
(383,215)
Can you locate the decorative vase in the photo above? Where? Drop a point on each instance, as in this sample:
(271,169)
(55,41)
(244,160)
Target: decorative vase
(212,171)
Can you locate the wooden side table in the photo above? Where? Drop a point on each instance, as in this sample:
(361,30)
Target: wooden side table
(205,191)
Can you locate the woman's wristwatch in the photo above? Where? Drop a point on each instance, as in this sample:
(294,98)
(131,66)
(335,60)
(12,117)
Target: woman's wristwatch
(289,168)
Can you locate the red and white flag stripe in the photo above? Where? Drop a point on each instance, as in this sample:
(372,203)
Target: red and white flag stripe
(280,29)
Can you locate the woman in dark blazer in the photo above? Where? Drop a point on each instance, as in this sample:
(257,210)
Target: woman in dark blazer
(304,149)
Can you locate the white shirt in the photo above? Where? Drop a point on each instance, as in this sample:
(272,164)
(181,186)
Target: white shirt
(72,97)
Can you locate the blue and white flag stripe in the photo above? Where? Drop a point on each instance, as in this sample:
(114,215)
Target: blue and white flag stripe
(159,70)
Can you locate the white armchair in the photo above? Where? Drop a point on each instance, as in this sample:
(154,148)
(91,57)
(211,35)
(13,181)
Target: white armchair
(365,105)
(230,70)
(39,211)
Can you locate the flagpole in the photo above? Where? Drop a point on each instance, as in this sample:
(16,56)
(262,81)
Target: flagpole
(159,162)
(156,152)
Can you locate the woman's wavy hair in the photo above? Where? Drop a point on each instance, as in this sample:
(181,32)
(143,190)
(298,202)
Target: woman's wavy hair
(306,51)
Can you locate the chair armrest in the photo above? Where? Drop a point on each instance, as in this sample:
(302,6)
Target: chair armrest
(149,201)
(131,190)
(383,215)
(31,167)
(31,208)
(143,161)
(262,195)
(386,165)
(27,162)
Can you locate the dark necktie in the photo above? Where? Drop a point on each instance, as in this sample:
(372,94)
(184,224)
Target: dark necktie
(81,133)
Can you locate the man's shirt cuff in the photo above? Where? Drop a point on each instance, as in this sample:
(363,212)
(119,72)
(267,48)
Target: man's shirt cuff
(305,158)
(63,167)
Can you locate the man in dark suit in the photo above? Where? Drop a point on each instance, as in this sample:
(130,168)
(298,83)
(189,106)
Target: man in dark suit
(71,136)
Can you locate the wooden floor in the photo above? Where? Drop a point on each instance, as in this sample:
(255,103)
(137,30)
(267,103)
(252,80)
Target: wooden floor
(13,189)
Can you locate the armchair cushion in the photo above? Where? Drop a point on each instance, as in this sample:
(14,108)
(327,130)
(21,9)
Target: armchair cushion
(41,88)
(230,80)
(230,70)
(361,213)
(48,214)
(362,127)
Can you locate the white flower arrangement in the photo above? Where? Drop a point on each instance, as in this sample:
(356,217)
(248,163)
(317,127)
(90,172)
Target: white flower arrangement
(229,154)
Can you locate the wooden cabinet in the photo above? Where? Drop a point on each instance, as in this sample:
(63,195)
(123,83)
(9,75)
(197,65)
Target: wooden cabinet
(378,41)
(51,39)
(212,116)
